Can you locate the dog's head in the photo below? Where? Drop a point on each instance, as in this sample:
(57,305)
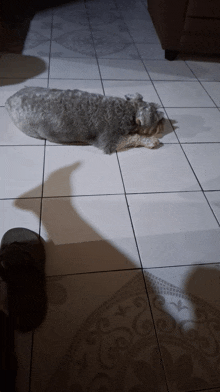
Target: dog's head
(148,116)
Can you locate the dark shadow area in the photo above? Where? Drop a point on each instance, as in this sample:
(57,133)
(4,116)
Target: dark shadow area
(15,18)
(18,66)
(124,349)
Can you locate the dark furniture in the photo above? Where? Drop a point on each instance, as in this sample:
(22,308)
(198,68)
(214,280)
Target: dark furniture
(188,26)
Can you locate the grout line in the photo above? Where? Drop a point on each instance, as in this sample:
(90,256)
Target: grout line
(96,56)
(111,194)
(201,83)
(41,201)
(134,269)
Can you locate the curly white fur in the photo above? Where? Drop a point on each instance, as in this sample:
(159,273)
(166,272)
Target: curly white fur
(70,116)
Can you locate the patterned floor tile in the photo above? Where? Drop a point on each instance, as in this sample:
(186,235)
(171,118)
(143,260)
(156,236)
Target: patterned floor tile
(185,303)
(106,342)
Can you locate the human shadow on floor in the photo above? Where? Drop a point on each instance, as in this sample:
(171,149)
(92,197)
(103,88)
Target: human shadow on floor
(113,343)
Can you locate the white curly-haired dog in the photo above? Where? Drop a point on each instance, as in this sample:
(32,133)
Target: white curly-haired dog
(74,116)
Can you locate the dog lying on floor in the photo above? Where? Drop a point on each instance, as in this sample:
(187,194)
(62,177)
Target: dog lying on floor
(74,116)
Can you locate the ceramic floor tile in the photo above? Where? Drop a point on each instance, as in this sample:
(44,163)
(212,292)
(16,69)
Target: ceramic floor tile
(168,70)
(20,66)
(11,135)
(213,89)
(205,70)
(183,94)
(150,51)
(73,68)
(93,86)
(68,46)
(195,125)
(69,9)
(139,25)
(87,171)
(19,213)
(214,200)
(174,229)
(120,88)
(108,331)
(87,234)
(9,87)
(145,37)
(186,305)
(41,26)
(79,43)
(118,32)
(34,48)
(122,69)
(117,26)
(117,51)
(62,26)
(205,161)
(159,170)
(21,169)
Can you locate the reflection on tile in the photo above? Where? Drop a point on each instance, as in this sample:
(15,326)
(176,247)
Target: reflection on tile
(174,229)
(86,234)
(168,70)
(20,66)
(9,87)
(195,124)
(122,69)
(26,215)
(183,301)
(75,163)
(187,94)
(120,88)
(21,169)
(161,170)
(11,135)
(213,89)
(107,341)
(214,200)
(205,161)
(205,70)
(73,68)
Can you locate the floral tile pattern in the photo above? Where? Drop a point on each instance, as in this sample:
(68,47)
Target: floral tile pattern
(133,239)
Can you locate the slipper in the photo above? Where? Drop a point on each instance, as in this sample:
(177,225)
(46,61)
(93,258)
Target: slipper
(22,265)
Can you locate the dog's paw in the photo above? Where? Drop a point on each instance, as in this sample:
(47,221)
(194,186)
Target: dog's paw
(151,142)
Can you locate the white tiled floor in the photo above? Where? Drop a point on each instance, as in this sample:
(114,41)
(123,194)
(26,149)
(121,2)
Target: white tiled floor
(132,239)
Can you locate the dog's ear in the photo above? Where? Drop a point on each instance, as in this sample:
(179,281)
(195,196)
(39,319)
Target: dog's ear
(136,97)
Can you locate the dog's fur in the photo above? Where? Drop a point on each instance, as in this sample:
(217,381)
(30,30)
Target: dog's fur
(71,116)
